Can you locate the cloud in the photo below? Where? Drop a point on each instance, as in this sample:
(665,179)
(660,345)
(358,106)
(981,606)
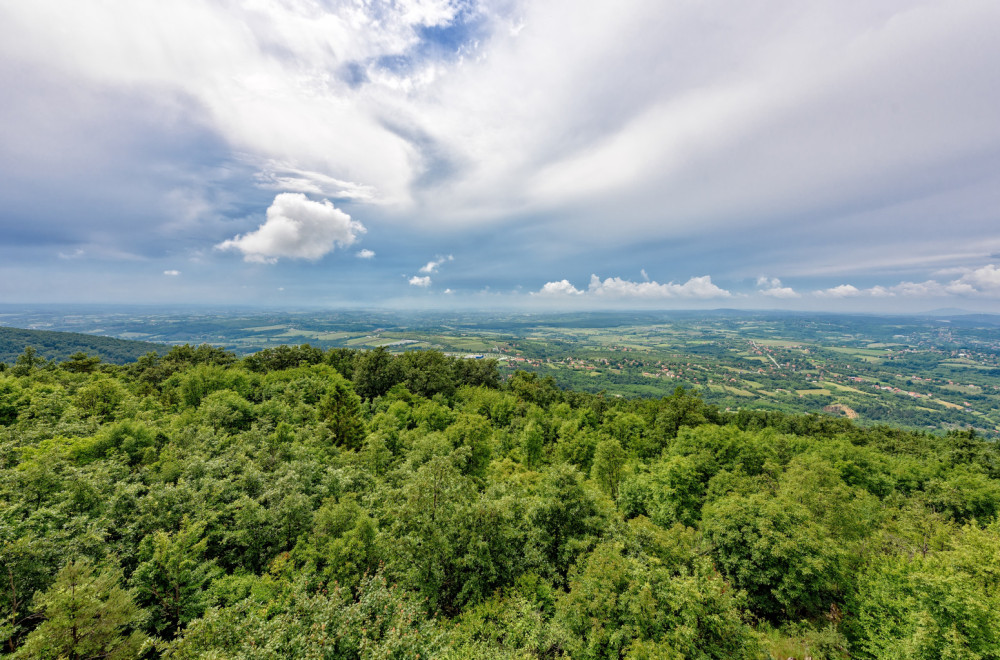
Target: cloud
(772,288)
(423,282)
(985,279)
(560,288)
(278,176)
(172,273)
(842,291)
(689,124)
(973,282)
(618,288)
(296,228)
(432,266)
(365,254)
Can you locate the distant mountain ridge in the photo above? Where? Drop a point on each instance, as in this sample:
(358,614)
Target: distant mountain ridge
(54,345)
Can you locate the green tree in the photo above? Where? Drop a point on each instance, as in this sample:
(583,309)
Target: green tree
(173,576)
(87,615)
(621,605)
(943,604)
(375,372)
(340,408)
(100,398)
(609,462)
(27,362)
(81,363)
(788,564)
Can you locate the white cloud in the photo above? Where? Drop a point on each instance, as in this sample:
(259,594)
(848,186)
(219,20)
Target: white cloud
(365,254)
(618,288)
(448,292)
(930,288)
(772,288)
(432,266)
(665,116)
(985,279)
(842,291)
(296,228)
(279,176)
(423,282)
(172,273)
(780,292)
(560,288)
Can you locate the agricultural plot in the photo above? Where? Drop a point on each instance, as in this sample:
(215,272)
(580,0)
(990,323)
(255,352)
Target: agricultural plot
(917,372)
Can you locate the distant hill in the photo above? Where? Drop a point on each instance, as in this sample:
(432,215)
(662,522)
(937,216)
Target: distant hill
(60,345)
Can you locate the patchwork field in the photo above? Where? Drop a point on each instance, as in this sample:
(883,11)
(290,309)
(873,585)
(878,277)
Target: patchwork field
(917,372)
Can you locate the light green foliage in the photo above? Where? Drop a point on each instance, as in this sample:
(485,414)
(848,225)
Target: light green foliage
(533,444)
(621,606)
(609,463)
(382,621)
(474,433)
(671,491)
(87,615)
(943,604)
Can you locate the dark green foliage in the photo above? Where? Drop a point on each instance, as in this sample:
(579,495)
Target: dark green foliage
(265,508)
(63,346)
(788,564)
(283,357)
(375,372)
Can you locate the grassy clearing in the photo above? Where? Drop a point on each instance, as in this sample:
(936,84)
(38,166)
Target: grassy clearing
(845,388)
(266,328)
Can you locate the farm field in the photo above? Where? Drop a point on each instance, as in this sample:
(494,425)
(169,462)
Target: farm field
(917,372)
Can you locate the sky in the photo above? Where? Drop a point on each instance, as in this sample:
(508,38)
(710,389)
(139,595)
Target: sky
(668,154)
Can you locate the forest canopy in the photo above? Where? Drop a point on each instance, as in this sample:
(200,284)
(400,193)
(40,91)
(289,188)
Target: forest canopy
(359,504)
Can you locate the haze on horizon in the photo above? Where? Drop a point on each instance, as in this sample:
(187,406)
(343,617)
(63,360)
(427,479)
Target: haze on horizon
(502,153)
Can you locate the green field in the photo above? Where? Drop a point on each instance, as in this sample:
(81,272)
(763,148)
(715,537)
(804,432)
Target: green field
(917,373)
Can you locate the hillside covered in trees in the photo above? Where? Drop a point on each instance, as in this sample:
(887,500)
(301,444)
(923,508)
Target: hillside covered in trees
(59,346)
(355,504)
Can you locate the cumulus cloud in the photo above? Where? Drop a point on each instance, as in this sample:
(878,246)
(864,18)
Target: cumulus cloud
(422,282)
(985,279)
(982,281)
(296,228)
(842,291)
(772,288)
(172,273)
(365,254)
(618,288)
(432,266)
(560,288)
